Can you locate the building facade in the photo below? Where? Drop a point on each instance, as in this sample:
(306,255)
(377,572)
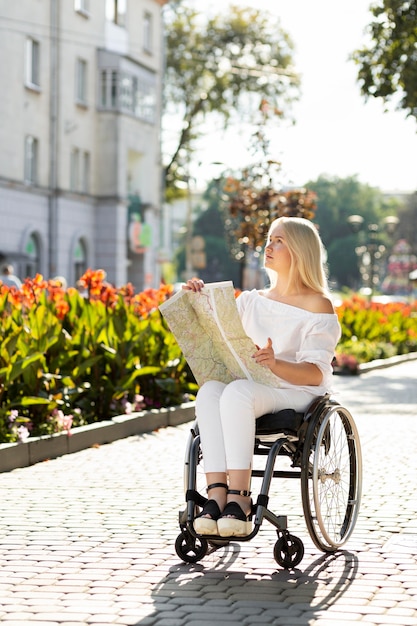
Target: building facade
(80,163)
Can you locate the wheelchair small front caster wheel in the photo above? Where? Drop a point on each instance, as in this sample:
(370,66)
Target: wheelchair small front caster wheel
(288,551)
(190,549)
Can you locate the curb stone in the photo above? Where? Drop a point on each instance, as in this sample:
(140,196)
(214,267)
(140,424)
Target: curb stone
(382,363)
(37,449)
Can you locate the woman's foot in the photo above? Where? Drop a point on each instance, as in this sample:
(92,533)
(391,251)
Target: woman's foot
(236,519)
(206,522)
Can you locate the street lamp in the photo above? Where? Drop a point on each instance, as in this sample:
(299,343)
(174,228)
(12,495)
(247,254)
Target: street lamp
(372,251)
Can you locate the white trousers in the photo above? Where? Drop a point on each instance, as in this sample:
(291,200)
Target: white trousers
(226,417)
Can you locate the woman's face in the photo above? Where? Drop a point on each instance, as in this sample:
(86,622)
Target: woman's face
(277,255)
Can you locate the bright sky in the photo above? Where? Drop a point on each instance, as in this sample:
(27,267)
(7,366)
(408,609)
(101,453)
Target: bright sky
(336,132)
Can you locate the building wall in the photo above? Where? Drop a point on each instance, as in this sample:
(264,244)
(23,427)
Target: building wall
(121,147)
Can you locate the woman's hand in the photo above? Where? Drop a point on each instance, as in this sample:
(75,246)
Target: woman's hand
(303,373)
(265,356)
(194,284)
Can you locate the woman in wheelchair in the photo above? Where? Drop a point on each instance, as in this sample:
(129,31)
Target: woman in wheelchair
(295,328)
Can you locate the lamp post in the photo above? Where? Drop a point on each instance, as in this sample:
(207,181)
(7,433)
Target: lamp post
(372,251)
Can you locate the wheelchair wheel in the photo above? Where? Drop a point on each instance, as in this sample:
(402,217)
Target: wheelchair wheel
(288,551)
(331,477)
(190,549)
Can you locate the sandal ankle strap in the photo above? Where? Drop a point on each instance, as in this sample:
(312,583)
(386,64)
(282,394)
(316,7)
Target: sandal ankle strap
(214,485)
(237,492)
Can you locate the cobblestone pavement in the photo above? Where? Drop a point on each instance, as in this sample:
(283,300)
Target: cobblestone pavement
(89,538)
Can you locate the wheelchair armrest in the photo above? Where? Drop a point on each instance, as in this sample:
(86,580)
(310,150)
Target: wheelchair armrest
(284,421)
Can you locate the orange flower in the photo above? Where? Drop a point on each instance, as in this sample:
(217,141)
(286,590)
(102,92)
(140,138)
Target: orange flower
(150,299)
(62,307)
(93,281)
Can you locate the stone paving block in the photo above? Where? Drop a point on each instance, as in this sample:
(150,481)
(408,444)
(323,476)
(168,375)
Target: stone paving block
(23,622)
(251,620)
(388,620)
(101,618)
(329,621)
(203,618)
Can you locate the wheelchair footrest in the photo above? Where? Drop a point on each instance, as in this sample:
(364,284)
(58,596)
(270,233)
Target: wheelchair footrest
(195,497)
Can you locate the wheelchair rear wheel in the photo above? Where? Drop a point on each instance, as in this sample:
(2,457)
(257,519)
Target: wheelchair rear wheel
(331,477)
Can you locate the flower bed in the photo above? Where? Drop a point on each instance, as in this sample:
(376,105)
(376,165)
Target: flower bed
(68,359)
(372,331)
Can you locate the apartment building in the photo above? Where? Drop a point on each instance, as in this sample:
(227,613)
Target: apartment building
(80,165)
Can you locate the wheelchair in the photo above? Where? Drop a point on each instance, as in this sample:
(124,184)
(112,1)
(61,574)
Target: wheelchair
(324,451)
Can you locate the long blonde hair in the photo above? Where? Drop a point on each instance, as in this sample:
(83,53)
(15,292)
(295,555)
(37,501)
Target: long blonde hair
(307,254)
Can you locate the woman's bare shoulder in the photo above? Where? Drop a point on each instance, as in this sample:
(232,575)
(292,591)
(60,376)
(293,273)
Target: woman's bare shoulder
(319,303)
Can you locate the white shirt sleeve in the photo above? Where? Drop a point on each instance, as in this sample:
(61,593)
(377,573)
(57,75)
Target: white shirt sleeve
(319,342)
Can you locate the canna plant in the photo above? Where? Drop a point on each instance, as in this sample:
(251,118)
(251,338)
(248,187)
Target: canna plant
(372,330)
(69,359)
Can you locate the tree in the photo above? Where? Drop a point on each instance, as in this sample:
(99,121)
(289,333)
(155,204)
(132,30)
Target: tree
(215,63)
(338,199)
(388,65)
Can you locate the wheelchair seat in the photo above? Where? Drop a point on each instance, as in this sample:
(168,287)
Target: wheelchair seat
(287,422)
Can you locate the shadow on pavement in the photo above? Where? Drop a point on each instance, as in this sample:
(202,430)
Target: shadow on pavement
(216,593)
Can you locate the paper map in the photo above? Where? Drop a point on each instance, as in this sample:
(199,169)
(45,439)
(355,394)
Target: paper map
(209,331)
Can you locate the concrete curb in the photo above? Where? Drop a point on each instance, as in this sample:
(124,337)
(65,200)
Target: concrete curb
(382,363)
(15,455)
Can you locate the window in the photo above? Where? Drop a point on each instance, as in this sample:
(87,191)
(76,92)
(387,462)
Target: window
(145,103)
(31,160)
(82,6)
(85,173)
(80,171)
(116,12)
(125,92)
(32,250)
(79,259)
(81,82)
(147,32)
(75,169)
(32,63)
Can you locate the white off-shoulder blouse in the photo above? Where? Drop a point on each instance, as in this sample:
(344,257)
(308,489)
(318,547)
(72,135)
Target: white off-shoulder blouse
(297,335)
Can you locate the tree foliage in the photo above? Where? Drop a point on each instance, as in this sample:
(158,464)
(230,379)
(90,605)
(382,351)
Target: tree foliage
(388,64)
(338,199)
(214,62)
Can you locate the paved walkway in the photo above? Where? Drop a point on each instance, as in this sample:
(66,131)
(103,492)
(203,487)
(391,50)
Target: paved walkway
(89,538)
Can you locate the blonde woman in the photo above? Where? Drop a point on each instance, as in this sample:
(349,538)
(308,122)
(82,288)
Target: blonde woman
(295,326)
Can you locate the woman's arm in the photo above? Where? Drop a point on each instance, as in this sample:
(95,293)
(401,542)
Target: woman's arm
(295,373)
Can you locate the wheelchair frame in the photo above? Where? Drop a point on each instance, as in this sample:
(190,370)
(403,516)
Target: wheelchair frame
(324,448)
